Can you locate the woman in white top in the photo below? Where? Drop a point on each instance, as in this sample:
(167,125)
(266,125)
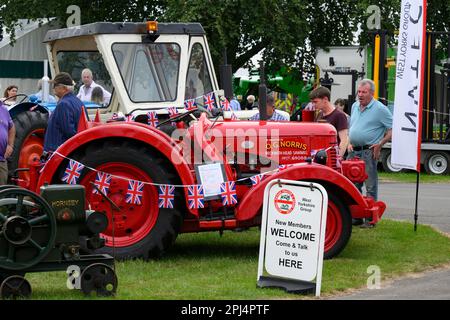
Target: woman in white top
(10,92)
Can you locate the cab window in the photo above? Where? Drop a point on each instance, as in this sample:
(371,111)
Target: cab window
(198,80)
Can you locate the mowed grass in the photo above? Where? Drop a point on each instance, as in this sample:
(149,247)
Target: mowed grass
(411,177)
(207,266)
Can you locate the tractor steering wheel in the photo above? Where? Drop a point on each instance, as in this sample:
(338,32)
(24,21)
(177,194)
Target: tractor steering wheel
(182,116)
(17,95)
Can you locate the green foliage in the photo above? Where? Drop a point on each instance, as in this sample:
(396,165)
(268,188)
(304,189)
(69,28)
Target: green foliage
(288,30)
(91,11)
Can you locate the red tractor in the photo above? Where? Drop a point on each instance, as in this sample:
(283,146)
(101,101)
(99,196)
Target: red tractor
(151,70)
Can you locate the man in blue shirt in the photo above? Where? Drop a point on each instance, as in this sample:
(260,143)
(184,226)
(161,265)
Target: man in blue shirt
(63,122)
(272,113)
(370,129)
(235,105)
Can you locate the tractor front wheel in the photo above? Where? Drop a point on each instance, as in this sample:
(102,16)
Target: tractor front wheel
(140,229)
(339,227)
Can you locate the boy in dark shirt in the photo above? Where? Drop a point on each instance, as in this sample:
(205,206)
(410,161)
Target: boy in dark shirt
(320,97)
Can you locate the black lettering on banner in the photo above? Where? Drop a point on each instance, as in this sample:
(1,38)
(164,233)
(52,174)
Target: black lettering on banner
(416,69)
(416,46)
(418,18)
(411,94)
(410,116)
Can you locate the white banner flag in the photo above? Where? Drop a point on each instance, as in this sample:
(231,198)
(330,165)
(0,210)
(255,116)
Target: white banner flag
(409,85)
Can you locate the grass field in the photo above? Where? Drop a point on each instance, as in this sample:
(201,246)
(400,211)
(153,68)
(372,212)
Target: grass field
(411,177)
(207,266)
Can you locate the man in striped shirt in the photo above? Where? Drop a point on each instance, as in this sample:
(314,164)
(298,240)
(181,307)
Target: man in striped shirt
(63,122)
(272,113)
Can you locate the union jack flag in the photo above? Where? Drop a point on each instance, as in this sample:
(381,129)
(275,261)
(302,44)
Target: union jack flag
(166,196)
(209,101)
(225,104)
(196,197)
(129,118)
(172,111)
(233,116)
(135,192)
(257,179)
(228,193)
(190,104)
(73,172)
(102,181)
(284,167)
(152,118)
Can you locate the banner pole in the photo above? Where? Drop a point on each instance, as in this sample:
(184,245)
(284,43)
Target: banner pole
(416,214)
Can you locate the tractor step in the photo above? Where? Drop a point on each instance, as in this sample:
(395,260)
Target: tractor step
(220,215)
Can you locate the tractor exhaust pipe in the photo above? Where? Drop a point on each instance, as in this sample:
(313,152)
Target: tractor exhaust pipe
(262,92)
(226,76)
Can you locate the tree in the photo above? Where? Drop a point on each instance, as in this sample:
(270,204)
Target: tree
(91,11)
(287,30)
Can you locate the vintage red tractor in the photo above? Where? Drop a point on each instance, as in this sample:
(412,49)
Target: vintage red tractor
(151,70)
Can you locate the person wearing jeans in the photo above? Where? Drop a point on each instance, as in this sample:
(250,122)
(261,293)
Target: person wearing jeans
(370,129)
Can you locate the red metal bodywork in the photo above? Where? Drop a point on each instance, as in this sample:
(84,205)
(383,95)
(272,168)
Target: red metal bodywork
(284,137)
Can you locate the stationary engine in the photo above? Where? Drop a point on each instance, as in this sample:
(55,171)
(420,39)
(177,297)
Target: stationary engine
(40,233)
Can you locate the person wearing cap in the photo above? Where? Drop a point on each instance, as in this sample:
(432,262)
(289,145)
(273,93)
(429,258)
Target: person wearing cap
(63,121)
(7,136)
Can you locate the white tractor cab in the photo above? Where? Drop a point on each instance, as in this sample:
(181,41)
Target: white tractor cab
(146,66)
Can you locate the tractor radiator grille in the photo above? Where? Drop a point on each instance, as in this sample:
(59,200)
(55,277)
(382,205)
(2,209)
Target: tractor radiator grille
(334,159)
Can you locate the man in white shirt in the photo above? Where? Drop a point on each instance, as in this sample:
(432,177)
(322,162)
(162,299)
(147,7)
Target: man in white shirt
(85,92)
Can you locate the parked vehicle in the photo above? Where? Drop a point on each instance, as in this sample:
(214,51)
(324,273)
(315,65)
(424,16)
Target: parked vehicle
(153,69)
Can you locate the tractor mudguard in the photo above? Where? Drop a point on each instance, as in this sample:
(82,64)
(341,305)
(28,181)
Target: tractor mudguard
(121,130)
(26,106)
(360,206)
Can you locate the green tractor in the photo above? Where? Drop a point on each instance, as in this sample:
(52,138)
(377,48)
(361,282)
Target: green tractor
(291,92)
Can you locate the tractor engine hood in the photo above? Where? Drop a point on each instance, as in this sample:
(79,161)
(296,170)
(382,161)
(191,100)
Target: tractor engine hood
(282,142)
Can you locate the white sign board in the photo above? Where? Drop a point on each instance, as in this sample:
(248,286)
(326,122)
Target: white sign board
(211,176)
(293,231)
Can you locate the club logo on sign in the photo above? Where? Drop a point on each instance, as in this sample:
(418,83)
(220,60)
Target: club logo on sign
(284,201)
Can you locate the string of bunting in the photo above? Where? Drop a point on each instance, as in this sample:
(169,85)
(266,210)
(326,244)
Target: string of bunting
(135,190)
(209,102)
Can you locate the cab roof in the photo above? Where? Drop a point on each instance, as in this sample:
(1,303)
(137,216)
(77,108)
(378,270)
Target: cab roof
(123,28)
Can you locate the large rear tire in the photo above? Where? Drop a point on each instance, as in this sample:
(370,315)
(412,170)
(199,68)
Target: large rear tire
(140,230)
(339,227)
(29,142)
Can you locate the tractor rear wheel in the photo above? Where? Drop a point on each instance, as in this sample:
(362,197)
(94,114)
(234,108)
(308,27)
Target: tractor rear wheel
(29,142)
(141,230)
(339,227)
